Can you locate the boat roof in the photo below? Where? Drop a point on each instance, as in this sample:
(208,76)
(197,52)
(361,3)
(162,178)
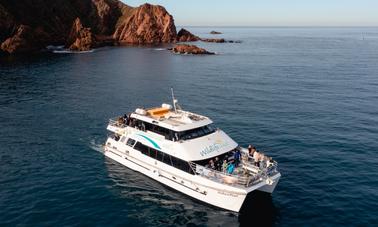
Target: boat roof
(165,117)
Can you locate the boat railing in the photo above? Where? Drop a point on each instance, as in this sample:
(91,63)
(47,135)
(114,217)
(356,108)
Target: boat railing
(117,122)
(249,163)
(241,176)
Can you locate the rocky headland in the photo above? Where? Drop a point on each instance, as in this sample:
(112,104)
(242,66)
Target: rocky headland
(31,25)
(28,26)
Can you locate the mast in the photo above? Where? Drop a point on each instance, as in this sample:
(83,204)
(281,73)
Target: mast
(174,100)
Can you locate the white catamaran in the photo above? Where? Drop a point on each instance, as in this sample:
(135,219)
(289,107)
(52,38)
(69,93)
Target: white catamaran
(185,152)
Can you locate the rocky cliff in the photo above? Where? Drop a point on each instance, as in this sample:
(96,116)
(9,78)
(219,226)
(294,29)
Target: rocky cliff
(30,25)
(146,24)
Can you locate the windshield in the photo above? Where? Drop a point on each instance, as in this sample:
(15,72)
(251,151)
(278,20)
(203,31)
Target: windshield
(196,133)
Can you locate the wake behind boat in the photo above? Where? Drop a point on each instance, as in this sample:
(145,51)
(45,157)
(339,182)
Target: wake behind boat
(184,151)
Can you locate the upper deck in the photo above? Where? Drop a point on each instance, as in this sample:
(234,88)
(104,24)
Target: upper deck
(165,117)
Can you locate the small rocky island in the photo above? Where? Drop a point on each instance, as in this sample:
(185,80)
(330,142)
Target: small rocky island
(81,25)
(189,49)
(215,33)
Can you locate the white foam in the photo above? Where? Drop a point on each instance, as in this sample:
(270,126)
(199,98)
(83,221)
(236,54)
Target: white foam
(72,52)
(97,147)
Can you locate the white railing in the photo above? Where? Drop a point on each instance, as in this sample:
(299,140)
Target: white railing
(242,176)
(117,122)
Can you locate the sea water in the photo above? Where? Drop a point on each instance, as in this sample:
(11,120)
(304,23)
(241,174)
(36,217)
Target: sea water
(306,96)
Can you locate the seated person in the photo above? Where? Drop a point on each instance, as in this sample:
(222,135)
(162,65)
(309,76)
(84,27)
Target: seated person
(224,166)
(211,164)
(218,164)
(231,167)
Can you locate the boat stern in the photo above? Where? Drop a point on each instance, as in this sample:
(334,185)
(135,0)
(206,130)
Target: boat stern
(270,183)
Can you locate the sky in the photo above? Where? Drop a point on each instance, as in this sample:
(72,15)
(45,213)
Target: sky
(269,12)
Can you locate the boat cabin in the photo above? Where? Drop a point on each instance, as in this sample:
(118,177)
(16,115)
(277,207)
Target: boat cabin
(173,125)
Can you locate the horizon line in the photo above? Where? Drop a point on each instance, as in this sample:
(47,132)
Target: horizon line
(283,26)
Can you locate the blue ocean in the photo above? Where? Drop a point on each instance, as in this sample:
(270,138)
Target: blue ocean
(308,96)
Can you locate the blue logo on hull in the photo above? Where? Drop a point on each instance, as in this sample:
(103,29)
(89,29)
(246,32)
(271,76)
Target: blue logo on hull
(151,141)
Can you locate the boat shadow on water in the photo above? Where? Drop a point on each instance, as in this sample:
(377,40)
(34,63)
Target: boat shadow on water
(258,209)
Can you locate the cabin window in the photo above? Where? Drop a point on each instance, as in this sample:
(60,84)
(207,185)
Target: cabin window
(159,155)
(158,130)
(152,153)
(182,165)
(196,133)
(145,126)
(163,157)
(130,142)
(142,148)
(167,159)
(123,139)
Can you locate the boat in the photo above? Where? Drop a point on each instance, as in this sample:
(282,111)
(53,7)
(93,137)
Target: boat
(184,151)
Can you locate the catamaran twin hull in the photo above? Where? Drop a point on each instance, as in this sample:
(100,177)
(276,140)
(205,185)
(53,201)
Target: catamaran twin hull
(178,149)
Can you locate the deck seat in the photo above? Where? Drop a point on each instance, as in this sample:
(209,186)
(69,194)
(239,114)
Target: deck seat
(158,112)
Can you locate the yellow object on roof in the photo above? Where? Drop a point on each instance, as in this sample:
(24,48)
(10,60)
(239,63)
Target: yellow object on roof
(158,112)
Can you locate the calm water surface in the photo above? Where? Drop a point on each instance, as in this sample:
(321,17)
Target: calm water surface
(306,96)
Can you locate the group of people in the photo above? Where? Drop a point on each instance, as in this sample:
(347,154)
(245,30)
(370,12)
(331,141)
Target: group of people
(123,120)
(127,120)
(227,164)
(231,161)
(257,157)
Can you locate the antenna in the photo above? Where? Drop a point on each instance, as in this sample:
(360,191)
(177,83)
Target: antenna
(174,100)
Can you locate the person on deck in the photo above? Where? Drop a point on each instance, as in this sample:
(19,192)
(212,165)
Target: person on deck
(237,157)
(230,167)
(218,164)
(256,157)
(224,166)
(211,164)
(249,149)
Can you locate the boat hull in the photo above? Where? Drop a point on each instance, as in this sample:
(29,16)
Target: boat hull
(206,192)
(269,188)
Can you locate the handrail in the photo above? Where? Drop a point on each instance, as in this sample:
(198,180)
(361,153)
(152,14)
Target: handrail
(117,122)
(246,180)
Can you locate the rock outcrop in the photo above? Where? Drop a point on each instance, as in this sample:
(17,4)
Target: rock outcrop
(189,49)
(25,39)
(30,25)
(214,40)
(185,36)
(80,38)
(147,24)
(215,33)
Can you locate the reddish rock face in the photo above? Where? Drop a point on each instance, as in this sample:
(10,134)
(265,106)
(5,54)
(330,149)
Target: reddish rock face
(21,41)
(47,22)
(185,36)
(189,49)
(147,24)
(106,15)
(80,38)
